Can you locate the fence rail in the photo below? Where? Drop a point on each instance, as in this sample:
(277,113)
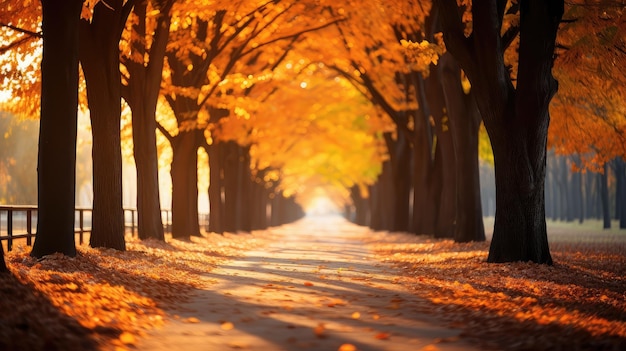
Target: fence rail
(19,222)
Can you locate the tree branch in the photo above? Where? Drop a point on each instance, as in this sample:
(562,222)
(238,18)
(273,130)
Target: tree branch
(453,30)
(294,35)
(22,30)
(126,9)
(509,36)
(167,134)
(16,43)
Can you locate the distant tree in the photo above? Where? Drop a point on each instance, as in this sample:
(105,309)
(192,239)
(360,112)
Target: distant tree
(515,113)
(57,135)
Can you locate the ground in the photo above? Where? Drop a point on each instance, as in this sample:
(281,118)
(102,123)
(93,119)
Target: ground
(318,284)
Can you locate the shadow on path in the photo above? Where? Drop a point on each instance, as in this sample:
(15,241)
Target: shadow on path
(315,288)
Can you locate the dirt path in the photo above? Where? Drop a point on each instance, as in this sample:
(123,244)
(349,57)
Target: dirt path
(315,288)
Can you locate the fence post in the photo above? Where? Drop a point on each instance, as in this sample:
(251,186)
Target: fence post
(29,227)
(132,216)
(80,223)
(10,229)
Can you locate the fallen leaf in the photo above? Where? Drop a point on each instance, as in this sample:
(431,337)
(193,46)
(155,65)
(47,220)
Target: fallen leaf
(238,345)
(347,347)
(191,320)
(227,326)
(382,336)
(308,284)
(319,330)
(127,338)
(356,315)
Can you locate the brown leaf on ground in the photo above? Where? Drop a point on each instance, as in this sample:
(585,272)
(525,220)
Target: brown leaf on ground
(382,336)
(347,347)
(578,303)
(319,330)
(103,296)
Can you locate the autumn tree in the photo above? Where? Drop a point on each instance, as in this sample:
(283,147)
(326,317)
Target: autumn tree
(407,84)
(314,131)
(99,55)
(516,115)
(20,29)
(203,51)
(374,61)
(143,62)
(464,123)
(57,135)
(589,117)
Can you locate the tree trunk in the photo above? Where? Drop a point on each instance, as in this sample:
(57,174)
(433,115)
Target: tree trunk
(590,195)
(216,204)
(577,194)
(361,207)
(564,188)
(400,152)
(520,228)
(604,197)
(620,191)
(258,196)
(231,188)
(276,204)
(382,200)
(424,211)
(149,221)
(446,198)
(246,203)
(108,214)
(552,190)
(464,123)
(142,94)
(99,54)
(56,170)
(185,184)
(516,118)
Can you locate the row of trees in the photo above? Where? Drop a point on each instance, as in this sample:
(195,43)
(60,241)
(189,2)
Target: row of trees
(512,88)
(573,194)
(218,68)
(582,195)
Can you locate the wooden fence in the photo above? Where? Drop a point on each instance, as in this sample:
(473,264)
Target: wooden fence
(19,222)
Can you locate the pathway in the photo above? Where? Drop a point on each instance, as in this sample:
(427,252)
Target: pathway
(315,288)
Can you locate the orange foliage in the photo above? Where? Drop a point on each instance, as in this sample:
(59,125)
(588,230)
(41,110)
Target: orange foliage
(588,112)
(114,296)
(20,57)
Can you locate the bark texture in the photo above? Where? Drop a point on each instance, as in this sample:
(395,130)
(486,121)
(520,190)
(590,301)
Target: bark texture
(464,124)
(141,93)
(99,55)
(185,184)
(516,118)
(56,169)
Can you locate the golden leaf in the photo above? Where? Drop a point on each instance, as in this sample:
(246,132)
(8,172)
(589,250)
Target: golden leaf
(227,326)
(127,338)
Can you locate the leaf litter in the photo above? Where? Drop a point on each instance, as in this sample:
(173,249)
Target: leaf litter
(106,299)
(579,303)
(102,298)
